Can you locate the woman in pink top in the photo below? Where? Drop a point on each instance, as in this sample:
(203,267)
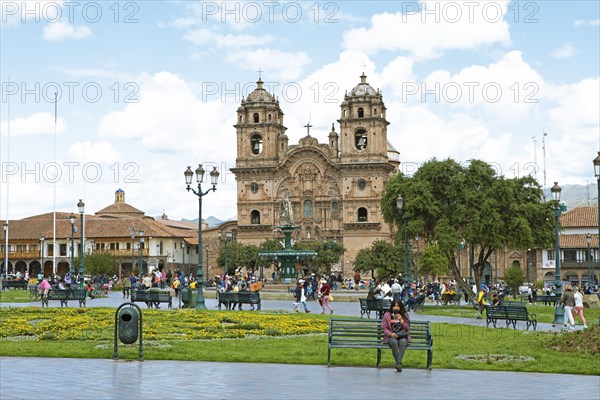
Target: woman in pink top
(44,287)
(325,291)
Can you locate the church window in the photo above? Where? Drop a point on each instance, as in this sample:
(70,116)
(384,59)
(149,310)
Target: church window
(362,214)
(255,217)
(308,208)
(269,117)
(345,113)
(375,112)
(361,113)
(256,144)
(256,118)
(241,118)
(360,139)
(335,209)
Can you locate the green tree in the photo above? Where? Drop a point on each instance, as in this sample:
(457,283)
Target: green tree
(447,202)
(98,262)
(382,260)
(328,253)
(433,262)
(514,278)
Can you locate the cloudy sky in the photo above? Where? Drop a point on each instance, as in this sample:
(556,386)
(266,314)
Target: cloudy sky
(146,88)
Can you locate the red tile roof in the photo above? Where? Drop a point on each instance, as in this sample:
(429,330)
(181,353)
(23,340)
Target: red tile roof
(580,217)
(577,241)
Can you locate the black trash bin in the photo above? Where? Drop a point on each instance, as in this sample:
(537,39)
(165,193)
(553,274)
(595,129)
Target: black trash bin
(128,325)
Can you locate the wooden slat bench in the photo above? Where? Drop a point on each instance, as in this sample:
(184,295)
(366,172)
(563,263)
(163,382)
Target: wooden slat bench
(511,314)
(229,299)
(152,296)
(368,334)
(380,306)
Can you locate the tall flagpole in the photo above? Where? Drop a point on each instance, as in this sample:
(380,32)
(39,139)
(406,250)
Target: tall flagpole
(54,194)
(544,152)
(7,186)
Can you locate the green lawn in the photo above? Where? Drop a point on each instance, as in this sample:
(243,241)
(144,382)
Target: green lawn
(543,313)
(281,338)
(15,296)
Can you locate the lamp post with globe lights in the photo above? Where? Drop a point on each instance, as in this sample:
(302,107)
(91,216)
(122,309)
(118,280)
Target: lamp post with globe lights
(214,177)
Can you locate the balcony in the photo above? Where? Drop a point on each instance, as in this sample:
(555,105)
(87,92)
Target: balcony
(20,255)
(582,265)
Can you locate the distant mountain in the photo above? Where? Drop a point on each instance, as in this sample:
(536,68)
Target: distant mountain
(577,195)
(211,221)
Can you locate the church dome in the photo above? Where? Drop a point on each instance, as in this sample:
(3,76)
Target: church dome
(260,94)
(363,88)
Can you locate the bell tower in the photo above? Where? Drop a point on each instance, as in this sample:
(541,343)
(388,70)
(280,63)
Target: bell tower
(363,136)
(260,130)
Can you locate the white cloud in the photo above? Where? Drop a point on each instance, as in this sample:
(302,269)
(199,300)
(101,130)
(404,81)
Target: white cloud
(99,152)
(427,35)
(41,123)
(589,22)
(278,64)
(56,32)
(169,117)
(228,41)
(507,89)
(566,51)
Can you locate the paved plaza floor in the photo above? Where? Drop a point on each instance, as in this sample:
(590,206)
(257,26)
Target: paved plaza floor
(53,378)
(24,378)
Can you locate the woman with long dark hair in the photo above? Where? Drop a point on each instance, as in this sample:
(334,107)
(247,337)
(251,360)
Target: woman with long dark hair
(396,330)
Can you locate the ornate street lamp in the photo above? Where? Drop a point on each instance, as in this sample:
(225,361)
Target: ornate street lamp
(588,239)
(214,177)
(5,227)
(559,311)
(404,216)
(141,235)
(597,173)
(461,246)
(207,274)
(228,238)
(42,239)
(555,190)
(72,221)
(81,208)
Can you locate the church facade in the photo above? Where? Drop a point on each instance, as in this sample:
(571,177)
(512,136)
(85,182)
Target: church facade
(331,191)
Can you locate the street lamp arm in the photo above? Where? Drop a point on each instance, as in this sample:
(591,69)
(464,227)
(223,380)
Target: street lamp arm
(199,193)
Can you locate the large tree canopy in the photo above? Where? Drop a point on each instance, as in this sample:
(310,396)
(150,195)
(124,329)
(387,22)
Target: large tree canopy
(382,259)
(447,202)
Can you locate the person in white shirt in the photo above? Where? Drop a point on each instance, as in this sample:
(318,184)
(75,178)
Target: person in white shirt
(387,290)
(396,290)
(578,309)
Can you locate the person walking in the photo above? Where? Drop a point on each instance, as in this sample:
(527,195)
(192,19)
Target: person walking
(567,300)
(396,331)
(578,309)
(126,287)
(301,297)
(325,291)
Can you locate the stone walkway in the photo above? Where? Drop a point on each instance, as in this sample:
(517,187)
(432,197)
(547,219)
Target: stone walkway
(23,378)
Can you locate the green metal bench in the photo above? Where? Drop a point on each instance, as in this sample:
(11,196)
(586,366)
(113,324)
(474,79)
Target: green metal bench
(449,299)
(511,314)
(368,334)
(20,284)
(379,306)
(229,299)
(64,295)
(547,299)
(152,296)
